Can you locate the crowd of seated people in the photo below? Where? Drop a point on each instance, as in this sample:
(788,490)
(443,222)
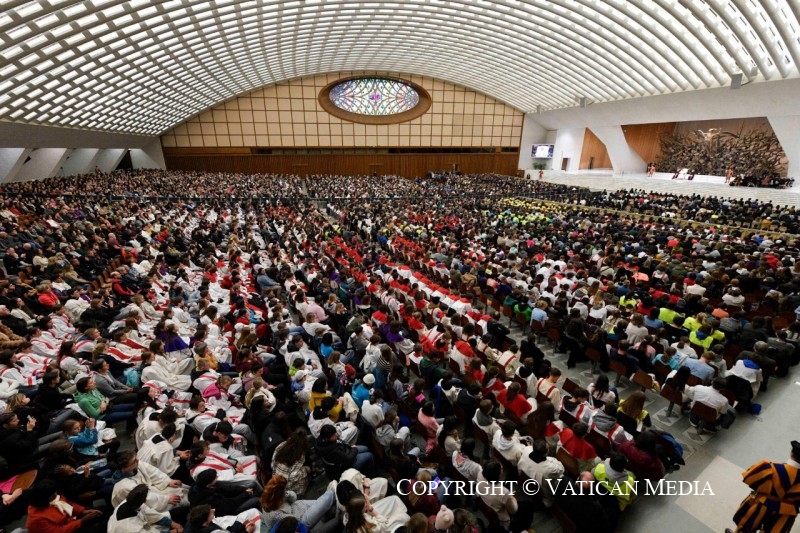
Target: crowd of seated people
(247,346)
(748,213)
(775,182)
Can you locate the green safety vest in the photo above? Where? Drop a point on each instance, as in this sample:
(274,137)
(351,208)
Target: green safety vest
(622,491)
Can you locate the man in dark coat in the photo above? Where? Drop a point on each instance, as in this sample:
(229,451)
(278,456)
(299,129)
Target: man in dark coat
(338,457)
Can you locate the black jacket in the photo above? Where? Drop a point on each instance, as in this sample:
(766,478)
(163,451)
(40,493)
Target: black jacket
(225,501)
(270,438)
(52,399)
(336,456)
(17,325)
(101,317)
(18,447)
(590,512)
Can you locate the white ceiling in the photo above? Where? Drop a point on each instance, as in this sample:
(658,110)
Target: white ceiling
(142,66)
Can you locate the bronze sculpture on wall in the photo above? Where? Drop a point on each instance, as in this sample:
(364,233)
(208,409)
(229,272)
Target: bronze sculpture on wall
(756,156)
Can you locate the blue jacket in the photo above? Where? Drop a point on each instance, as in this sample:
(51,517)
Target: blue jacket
(360,394)
(85,442)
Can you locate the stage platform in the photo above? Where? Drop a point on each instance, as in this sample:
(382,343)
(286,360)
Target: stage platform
(662,182)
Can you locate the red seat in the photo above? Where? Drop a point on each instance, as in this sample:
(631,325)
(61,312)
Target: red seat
(673,395)
(707,415)
(643,379)
(601,444)
(594,356)
(570,463)
(570,386)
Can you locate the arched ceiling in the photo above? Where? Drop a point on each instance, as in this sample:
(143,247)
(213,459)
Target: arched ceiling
(144,66)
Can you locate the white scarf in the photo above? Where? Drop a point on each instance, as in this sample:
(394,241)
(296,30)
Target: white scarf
(62,506)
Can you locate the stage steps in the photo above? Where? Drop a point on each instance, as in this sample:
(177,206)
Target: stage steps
(611,182)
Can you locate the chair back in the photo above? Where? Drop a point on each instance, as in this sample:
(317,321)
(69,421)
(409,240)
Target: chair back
(661,371)
(570,386)
(705,412)
(642,379)
(671,394)
(600,442)
(569,462)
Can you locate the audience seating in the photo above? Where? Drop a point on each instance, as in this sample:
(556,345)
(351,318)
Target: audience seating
(707,415)
(569,462)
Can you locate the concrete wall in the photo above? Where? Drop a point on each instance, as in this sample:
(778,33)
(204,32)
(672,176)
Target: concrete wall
(777,100)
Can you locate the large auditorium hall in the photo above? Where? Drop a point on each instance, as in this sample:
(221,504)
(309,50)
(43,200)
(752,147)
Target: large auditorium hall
(414,266)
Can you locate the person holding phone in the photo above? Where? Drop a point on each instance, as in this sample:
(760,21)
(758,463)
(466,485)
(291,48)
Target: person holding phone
(18,441)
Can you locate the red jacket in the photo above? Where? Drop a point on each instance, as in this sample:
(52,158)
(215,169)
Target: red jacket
(120,289)
(519,405)
(51,520)
(577,447)
(641,463)
(48,299)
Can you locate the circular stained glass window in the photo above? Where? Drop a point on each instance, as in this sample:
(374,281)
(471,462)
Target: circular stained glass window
(375,100)
(374,96)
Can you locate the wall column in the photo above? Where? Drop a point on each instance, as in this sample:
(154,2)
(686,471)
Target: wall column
(11,160)
(787,129)
(149,155)
(532,133)
(623,157)
(568,145)
(108,159)
(80,161)
(45,163)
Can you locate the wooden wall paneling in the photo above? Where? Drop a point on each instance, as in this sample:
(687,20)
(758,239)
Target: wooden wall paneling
(593,148)
(406,165)
(644,139)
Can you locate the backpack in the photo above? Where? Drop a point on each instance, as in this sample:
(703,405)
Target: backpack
(678,457)
(343,383)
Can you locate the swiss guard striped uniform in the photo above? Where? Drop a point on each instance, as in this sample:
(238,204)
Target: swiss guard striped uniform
(772,506)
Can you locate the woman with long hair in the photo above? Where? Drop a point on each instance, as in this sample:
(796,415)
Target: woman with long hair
(176,375)
(542,424)
(602,392)
(448,436)
(69,362)
(173,342)
(46,430)
(425,416)
(422,501)
(678,380)
(384,516)
(515,402)
(632,415)
(289,461)
(406,464)
(277,502)
(636,330)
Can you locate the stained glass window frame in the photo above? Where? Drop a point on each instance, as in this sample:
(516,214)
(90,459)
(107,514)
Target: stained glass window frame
(328,95)
(374,96)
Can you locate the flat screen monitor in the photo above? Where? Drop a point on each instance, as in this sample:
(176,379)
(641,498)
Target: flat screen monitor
(542,151)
